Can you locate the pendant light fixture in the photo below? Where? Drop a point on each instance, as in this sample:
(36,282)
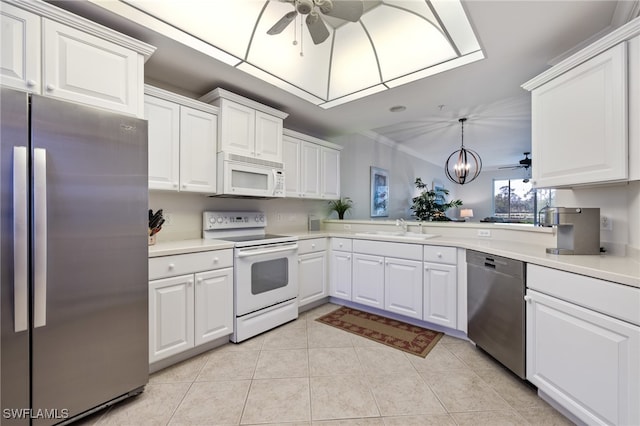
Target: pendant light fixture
(467,164)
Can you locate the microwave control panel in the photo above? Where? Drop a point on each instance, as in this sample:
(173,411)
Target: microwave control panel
(278,185)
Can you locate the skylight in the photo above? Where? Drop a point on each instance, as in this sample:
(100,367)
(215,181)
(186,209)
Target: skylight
(393,43)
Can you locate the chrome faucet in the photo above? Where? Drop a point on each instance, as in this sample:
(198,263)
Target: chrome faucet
(402,223)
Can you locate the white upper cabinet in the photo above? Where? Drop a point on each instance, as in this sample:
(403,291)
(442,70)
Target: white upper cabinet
(246,127)
(48,51)
(634,108)
(182,142)
(20,49)
(312,167)
(584,115)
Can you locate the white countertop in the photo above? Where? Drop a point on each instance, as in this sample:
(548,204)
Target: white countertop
(187,246)
(619,269)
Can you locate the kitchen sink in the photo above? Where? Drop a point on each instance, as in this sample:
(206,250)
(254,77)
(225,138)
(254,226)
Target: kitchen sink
(397,234)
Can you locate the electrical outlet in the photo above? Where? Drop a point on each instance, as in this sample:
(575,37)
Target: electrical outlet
(606,223)
(347,226)
(484,233)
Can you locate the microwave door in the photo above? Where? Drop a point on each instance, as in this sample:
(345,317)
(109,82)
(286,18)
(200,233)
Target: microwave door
(243,179)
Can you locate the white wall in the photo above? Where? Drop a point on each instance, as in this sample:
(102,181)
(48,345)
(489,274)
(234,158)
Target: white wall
(618,202)
(360,153)
(185,211)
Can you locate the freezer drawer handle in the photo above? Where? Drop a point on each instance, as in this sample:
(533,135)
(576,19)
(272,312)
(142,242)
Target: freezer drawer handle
(21,239)
(40,237)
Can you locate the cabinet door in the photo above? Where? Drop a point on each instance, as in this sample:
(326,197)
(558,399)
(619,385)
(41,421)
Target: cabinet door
(403,287)
(268,137)
(198,138)
(340,285)
(237,128)
(310,168)
(170,316)
(587,362)
(579,123)
(440,294)
(213,305)
(634,108)
(368,280)
(312,277)
(330,167)
(291,159)
(20,49)
(164,142)
(79,67)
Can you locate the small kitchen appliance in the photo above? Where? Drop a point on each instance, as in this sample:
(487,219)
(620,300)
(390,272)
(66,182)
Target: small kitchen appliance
(265,274)
(578,229)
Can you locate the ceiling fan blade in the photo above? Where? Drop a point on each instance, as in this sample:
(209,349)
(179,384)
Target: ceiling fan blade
(317,28)
(349,10)
(282,23)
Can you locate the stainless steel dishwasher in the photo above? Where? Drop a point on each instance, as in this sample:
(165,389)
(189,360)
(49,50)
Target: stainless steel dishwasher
(496,308)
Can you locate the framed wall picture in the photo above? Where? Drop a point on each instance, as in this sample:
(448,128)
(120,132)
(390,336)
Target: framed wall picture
(379,192)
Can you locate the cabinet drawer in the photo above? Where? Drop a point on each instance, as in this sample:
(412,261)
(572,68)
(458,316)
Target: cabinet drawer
(342,244)
(438,254)
(609,298)
(168,266)
(381,248)
(309,246)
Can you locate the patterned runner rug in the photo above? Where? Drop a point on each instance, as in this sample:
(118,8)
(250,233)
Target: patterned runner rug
(397,334)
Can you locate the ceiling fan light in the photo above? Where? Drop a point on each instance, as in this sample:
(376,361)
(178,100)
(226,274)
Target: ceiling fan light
(304,6)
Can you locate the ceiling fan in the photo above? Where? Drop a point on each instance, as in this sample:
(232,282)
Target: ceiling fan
(525,163)
(349,10)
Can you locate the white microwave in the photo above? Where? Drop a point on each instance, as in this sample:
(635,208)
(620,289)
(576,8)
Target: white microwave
(242,176)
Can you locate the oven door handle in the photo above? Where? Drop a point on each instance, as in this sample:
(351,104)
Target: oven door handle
(268,251)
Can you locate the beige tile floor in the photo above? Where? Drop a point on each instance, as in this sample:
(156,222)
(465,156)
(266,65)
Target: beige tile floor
(305,372)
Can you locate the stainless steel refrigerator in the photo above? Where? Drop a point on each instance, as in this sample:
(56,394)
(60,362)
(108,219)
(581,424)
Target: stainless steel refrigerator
(73,258)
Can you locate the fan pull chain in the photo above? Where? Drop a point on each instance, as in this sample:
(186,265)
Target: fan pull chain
(301,37)
(295,33)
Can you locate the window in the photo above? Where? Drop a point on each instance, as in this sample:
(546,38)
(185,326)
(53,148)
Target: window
(514,200)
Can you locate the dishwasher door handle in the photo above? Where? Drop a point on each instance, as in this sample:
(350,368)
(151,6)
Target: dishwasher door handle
(489,265)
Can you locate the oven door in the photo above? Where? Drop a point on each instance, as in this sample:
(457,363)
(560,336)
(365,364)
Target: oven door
(264,276)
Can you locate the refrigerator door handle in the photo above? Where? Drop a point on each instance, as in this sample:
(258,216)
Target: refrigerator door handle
(40,237)
(20,239)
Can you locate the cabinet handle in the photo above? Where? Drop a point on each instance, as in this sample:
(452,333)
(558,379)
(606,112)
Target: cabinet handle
(199,281)
(528,299)
(51,87)
(258,154)
(380,262)
(426,268)
(216,260)
(348,257)
(31,83)
(171,266)
(313,246)
(439,254)
(184,185)
(189,283)
(175,185)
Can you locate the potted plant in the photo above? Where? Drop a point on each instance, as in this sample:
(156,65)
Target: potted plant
(430,205)
(340,206)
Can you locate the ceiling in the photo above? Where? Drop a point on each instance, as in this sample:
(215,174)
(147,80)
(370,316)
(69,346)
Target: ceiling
(519,38)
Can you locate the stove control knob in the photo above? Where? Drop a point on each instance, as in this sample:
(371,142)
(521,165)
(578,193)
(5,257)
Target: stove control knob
(261,218)
(212,220)
(219,219)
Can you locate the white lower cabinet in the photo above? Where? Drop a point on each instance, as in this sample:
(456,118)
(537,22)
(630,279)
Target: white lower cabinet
(440,294)
(213,305)
(340,268)
(190,308)
(403,287)
(579,352)
(170,316)
(368,280)
(312,271)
